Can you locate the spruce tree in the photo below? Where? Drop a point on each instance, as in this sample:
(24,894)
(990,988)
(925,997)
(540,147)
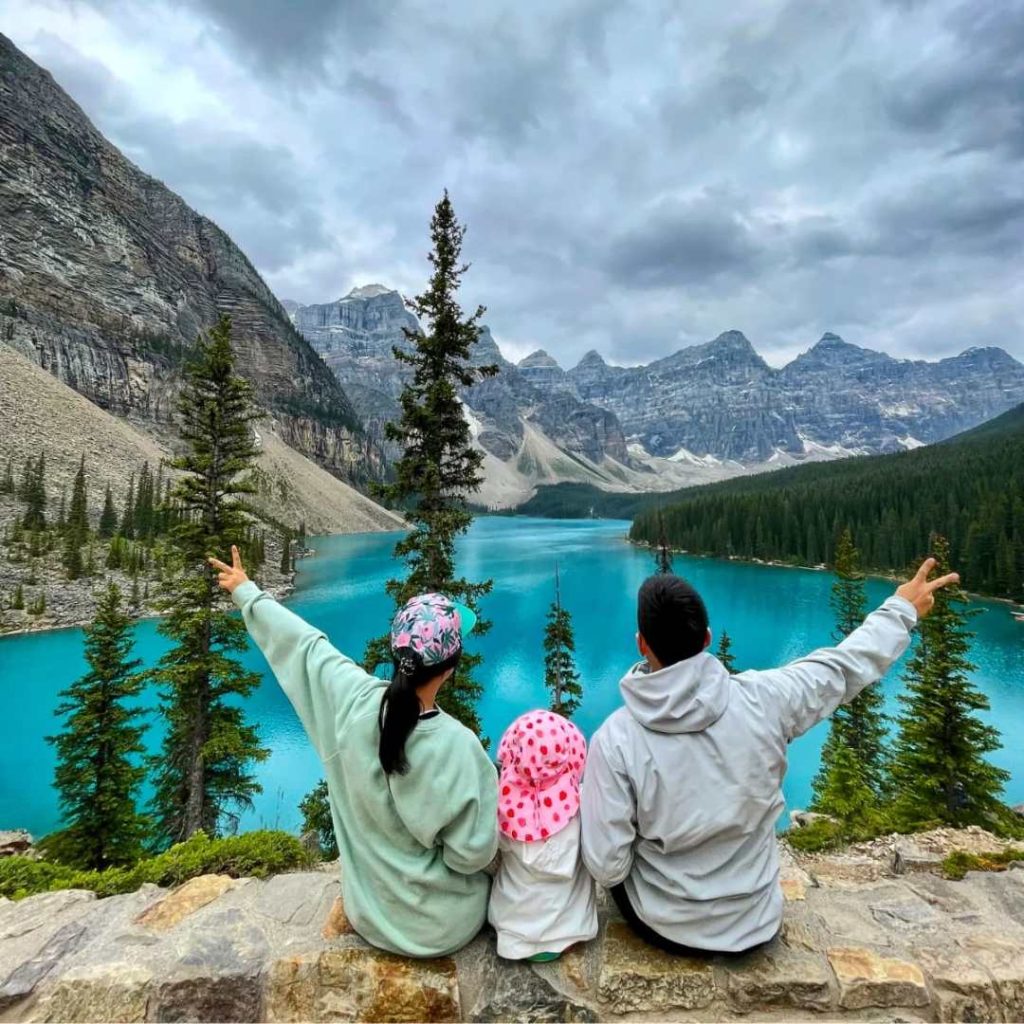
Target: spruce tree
(857,729)
(34,494)
(71,556)
(315,808)
(127,527)
(18,600)
(560,675)
(940,773)
(286,553)
(108,518)
(209,748)
(724,653)
(663,556)
(98,770)
(439,468)
(7,483)
(77,522)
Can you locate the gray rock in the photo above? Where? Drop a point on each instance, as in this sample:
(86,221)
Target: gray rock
(14,841)
(23,980)
(514,992)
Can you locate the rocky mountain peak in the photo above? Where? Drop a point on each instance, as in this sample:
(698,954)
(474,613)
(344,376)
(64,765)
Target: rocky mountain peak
(592,359)
(369,291)
(540,358)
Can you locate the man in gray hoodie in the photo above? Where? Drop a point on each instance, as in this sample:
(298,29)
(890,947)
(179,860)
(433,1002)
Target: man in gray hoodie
(683,786)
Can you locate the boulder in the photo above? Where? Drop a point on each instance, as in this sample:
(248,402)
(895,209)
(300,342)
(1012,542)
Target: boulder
(14,842)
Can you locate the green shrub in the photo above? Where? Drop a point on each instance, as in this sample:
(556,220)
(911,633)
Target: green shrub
(256,854)
(958,863)
(821,834)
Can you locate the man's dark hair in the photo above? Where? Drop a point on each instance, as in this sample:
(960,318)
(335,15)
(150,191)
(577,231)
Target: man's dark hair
(672,618)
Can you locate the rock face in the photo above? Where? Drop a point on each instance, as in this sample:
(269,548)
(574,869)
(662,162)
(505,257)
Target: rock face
(107,277)
(722,399)
(910,948)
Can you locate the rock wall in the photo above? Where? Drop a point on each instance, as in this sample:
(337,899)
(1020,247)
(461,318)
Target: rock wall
(107,277)
(857,944)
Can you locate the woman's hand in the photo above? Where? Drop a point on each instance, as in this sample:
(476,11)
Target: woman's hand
(920,591)
(230,576)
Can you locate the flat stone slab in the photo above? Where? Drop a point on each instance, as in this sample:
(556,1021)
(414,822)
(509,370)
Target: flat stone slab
(361,985)
(638,977)
(867,979)
(185,900)
(779,977)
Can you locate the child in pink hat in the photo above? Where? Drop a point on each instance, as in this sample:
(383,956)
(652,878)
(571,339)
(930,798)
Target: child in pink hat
(542,900)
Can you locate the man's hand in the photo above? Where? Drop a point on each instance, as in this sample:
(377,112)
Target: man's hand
(920,591)
(230,576)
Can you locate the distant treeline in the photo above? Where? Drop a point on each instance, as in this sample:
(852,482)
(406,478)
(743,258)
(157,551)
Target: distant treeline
(970,488)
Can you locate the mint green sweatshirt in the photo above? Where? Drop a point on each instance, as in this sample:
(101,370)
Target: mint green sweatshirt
(413,847)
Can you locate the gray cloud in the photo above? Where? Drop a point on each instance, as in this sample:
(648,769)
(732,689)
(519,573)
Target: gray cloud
(635,177)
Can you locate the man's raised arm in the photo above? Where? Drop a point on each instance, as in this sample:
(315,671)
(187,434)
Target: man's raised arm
(810,689)
(321,682)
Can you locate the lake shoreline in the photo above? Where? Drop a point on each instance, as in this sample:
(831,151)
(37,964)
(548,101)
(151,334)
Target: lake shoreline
(1016,608)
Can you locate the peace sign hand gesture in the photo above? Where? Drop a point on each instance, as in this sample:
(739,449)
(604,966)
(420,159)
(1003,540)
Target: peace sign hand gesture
(920,591)
(230,576)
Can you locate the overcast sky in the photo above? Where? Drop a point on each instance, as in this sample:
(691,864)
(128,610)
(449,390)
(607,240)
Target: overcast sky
(634,177)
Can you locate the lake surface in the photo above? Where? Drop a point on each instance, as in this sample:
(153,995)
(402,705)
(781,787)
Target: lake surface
(772,614)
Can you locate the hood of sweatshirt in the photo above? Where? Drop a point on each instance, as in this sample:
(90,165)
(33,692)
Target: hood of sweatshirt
(685,697)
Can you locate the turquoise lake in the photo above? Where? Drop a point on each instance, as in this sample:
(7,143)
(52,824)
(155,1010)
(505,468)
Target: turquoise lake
(772,614)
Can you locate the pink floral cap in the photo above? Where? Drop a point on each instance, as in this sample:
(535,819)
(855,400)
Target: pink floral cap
(432,625)
(542,757)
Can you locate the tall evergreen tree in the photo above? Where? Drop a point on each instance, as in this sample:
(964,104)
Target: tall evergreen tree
(724,652)
(286,552)
(560,675)
(209,748)
(127,527)
(98,770)
(34,493)
(7,483)
(71,556)
(439,467)
(77,522)
(108,518)
(858,728)
(663,556)
(940,772)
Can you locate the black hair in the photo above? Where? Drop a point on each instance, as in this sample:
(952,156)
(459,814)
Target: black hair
(400,705)
(672,618)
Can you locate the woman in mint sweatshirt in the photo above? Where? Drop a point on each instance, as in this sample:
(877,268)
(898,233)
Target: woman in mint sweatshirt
(413,795)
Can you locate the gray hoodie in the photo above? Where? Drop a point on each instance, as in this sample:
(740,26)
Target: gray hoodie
(684,784)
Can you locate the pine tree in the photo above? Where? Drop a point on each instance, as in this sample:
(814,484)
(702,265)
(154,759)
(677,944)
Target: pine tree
(316,818)
(846,794)
(108,518)
(77,523)
(439,467)
(209,748)
(858,728)
(7,483)
(560,675)
(724,653)
(127,527)
(144,510)
(286,553)
(98,770)
(71,556)
(940,773)
(18,600)
(34,494)
(663,556)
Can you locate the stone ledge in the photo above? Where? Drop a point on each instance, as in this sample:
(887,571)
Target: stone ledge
(915,947)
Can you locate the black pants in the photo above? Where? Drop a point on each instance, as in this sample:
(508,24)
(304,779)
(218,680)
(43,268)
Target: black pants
(653,938)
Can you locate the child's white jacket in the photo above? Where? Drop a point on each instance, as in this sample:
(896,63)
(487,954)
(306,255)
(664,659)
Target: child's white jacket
(542,900)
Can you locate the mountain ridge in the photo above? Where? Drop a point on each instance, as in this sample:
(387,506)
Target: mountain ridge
(107,277)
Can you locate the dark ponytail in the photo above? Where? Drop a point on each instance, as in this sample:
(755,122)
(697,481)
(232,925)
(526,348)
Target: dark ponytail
(400,706)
